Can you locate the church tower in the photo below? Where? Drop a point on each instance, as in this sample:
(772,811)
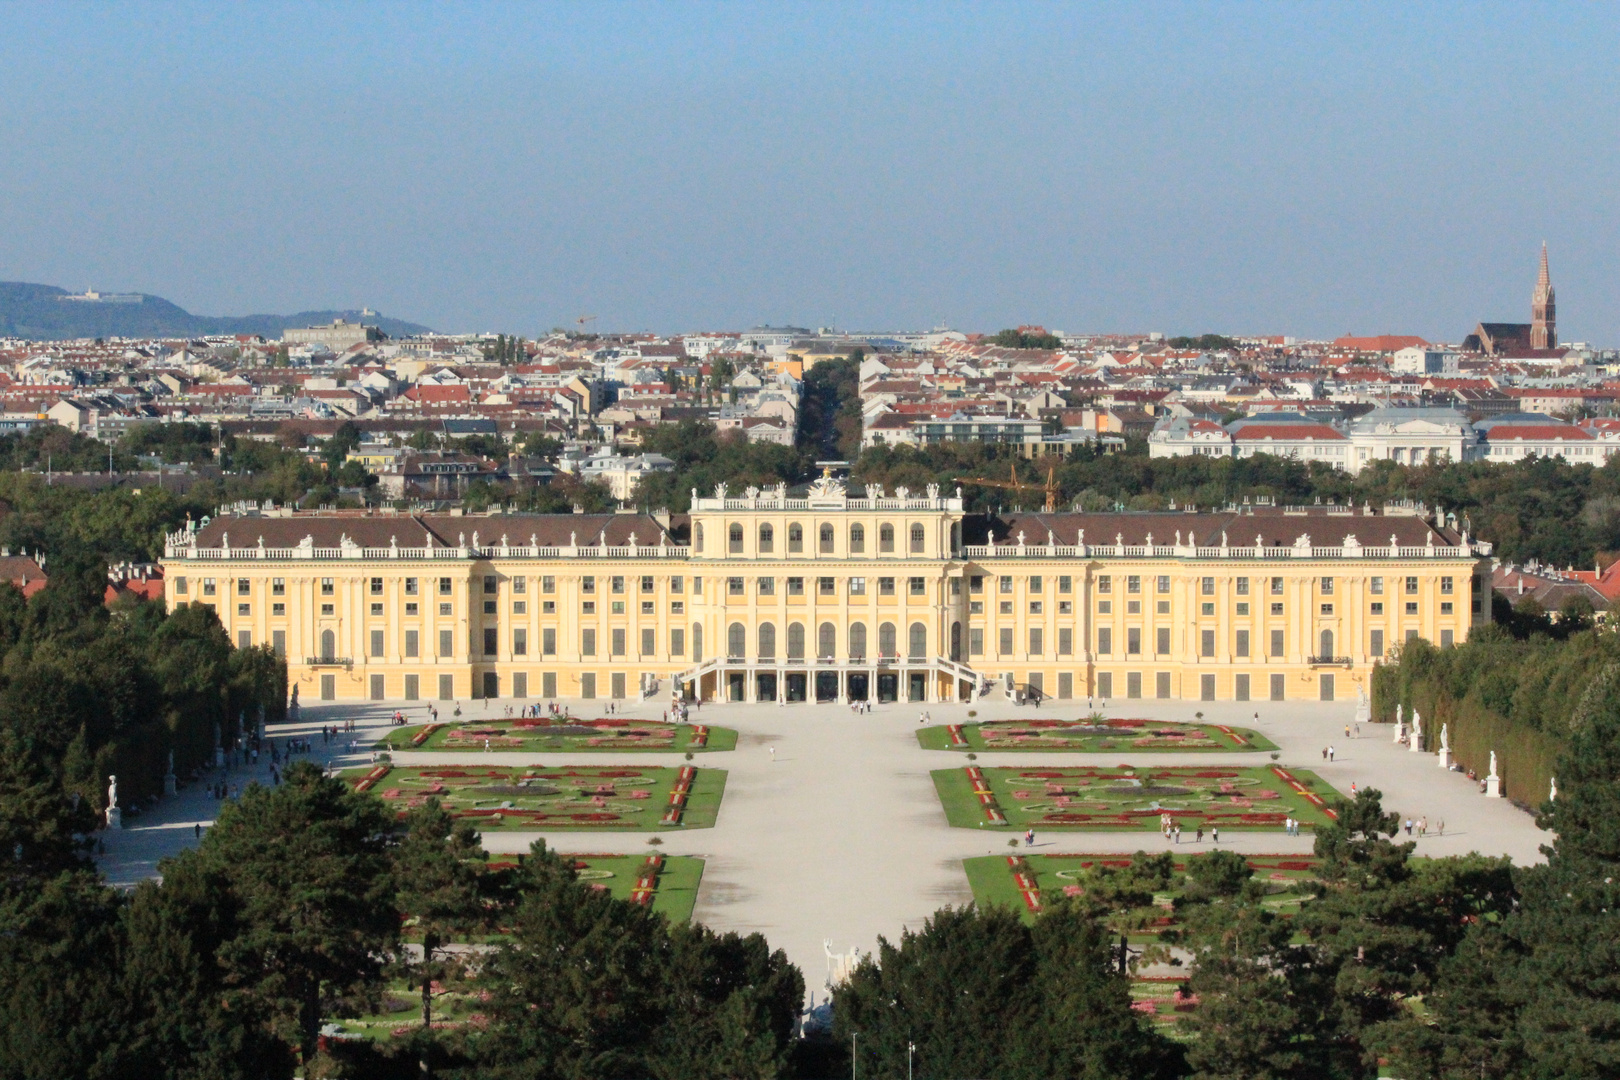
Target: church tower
(1543,311)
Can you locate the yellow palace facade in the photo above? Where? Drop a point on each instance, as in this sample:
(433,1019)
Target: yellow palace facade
(824,595)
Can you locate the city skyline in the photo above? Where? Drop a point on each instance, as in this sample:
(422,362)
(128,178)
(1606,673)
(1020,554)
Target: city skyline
(1187,169)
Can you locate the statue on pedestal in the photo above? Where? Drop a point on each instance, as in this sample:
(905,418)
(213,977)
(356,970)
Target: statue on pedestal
(115,813)
(1416,743)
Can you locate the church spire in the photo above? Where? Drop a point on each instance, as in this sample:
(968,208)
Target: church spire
(1543,309)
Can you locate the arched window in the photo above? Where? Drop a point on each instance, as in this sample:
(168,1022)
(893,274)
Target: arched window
(826,641)
(736,641)
(795,539)
(767,536)
(916,539)
(956,537)
(795,641)
(1327,644)
(886,640)
(697,538)
(735,536)
(826,539)
(919,641)
(857,539)
(767,641)
(328,646)
(697,642)
(857,641)
(885,539)
(956,641)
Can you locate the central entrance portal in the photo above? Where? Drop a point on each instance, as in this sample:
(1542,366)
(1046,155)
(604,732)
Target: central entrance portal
(858,685)
(826,686)
(888,687)
(919,686)
(766,686)
(795,686)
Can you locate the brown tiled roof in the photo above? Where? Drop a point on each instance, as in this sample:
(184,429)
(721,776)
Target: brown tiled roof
(412,530)
(1275,528)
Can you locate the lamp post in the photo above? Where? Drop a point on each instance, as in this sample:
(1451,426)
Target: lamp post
(852,1060)
(911,1048)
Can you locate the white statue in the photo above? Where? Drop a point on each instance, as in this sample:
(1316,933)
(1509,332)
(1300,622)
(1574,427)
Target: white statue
(1399,724)
(112,792)
(1445,738)
(1552,793)
(1493,763)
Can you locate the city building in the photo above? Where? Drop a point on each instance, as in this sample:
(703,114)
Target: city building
(830,595)
(339,335)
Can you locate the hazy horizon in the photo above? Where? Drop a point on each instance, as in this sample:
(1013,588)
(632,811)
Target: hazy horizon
(1179,168)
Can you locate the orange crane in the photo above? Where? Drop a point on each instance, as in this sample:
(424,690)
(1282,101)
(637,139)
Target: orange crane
(582,320)
(1014,484)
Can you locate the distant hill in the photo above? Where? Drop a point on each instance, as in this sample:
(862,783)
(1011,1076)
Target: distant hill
(44,313)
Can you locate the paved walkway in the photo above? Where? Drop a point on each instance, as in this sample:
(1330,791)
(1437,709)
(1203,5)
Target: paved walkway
(841,838)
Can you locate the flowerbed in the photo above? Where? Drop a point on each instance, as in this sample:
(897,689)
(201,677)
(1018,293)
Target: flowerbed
(1129,798)
(540,798)
(1091,735)
(563,734)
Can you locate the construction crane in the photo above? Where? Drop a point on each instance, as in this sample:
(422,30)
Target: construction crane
(1014,484)
(582,320)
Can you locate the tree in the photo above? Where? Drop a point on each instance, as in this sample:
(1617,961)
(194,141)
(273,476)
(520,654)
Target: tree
(588,986)
(981,994)
(444,890)
(1020,339)
(306,869)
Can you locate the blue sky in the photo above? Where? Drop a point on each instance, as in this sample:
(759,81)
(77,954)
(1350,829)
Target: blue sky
(1291,168)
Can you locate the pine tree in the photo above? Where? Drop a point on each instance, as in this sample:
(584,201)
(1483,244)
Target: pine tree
(306,872)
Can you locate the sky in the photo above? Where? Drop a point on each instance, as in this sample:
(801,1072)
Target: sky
(1301,169)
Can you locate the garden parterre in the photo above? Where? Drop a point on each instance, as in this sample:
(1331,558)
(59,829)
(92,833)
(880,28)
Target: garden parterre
(564,734)
(540,798)
(1032,882)
(1092,734)
(1130,797)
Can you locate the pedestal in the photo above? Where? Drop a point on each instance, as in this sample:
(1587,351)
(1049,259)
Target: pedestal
(1415,743)
(1493,787)
(171,784)
(1445,759)
(115,817)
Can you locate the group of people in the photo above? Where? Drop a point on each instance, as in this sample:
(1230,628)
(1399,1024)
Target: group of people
(1170,829)
(859,707)
(1421,825)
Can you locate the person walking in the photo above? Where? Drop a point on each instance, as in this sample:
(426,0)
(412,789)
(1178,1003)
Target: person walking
(1177,830)
(1029,838)
(1330,753)
(1441,830)
(1215,833)
(1324,753)
(773,755)
(1199,835)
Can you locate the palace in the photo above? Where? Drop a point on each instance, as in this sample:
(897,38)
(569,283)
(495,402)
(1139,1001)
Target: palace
(830,595)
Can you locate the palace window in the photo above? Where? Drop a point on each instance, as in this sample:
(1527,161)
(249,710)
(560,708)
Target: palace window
(857,539)
(826,539)
(795,539)
(885,539)
(734,539)
(767,538)
(917,538)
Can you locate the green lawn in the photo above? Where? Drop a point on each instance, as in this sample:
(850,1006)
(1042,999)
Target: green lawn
(1127,797)
(1091,735)
(561,735)
(537,798)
